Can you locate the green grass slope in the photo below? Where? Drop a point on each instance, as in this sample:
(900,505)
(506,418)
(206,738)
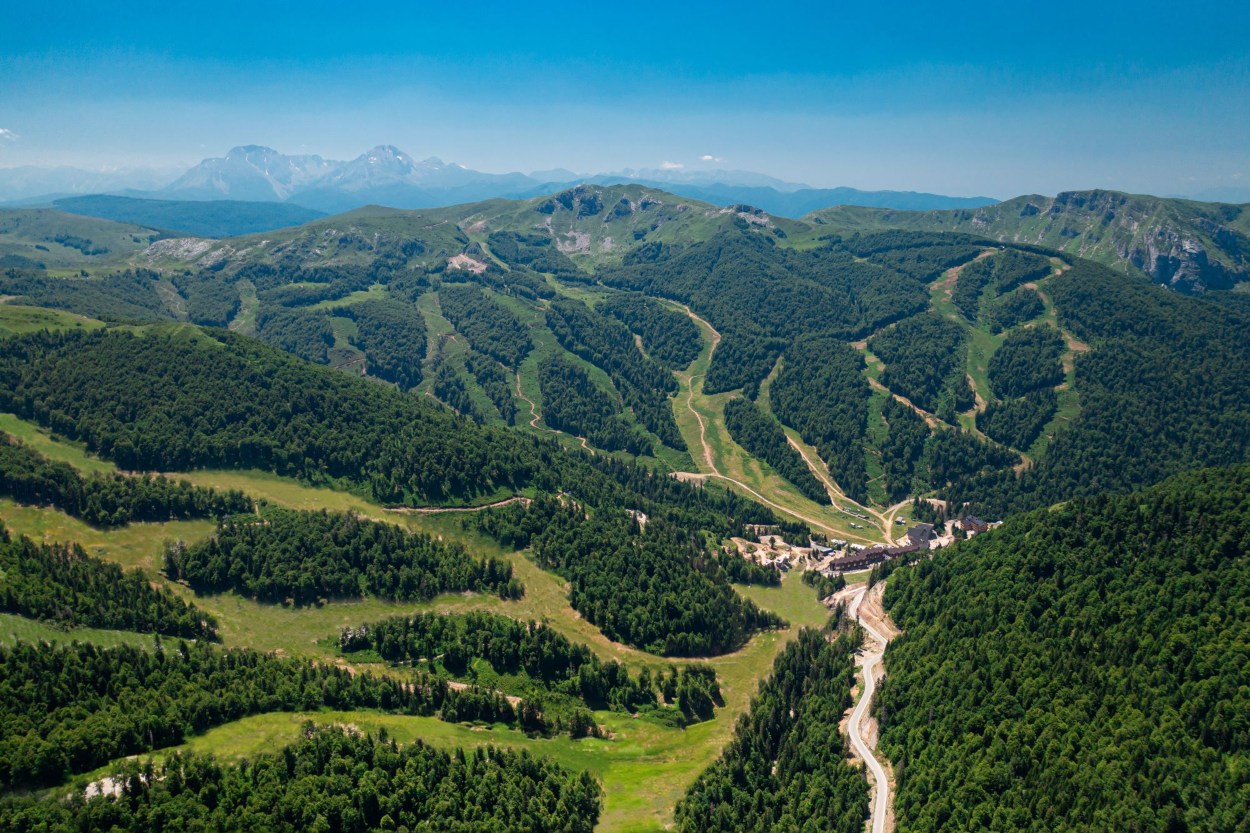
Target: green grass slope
(55,240)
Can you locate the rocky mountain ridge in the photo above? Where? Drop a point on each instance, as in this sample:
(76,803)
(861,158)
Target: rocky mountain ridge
(1190,246)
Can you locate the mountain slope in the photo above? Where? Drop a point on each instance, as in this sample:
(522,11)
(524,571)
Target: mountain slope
(1190,246)
(46,238)
(589,225)
(1083,668)
(249,172)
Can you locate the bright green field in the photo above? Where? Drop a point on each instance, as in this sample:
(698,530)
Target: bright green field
(645,768)
(16,319)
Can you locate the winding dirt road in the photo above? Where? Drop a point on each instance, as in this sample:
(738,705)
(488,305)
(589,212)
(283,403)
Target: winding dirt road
(708,459)
(537,416)
(434,510)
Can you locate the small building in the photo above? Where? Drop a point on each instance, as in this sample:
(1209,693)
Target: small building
(920,534)
(972,523)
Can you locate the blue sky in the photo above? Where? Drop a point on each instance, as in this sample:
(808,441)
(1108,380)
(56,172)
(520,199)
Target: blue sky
(971,98)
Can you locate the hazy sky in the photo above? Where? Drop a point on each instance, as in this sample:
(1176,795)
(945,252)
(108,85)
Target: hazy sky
(963,98)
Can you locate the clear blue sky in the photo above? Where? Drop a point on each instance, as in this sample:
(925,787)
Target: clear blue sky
(963,98)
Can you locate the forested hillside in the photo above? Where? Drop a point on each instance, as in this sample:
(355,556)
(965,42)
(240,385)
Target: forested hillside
(63,585)
(1080,668)
(68,709)
(332,779)
(304,558)
(786,767)
(1192,246)
(27,476)
(1162,390)
(644,584)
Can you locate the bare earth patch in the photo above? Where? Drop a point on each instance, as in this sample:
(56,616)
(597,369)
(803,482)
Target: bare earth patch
(466,263)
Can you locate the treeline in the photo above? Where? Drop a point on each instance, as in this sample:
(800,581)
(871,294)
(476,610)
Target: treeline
(292,285)
(535,252)
(925,357)
(644,385)
(211,298)
(489,326)
(128,297)
(999,273)
(66,709)
(63,585)
(1012,309)
(786,767)
(1163,390)
(534,660)
(821,393)
(304,558)
(175,401)
(1018,422)
(760,435)
(494,382)
(670,337)
(392,335)
(575,404)
(651,586)
(102,500)
(1080,668)
(760,297)
(1027,360)
(296,331)
(331,779)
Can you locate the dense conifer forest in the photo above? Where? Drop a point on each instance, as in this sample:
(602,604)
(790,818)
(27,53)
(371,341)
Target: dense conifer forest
(573,403)
(1162,390)
(644,384)
(61,584)
(1026,361)
(1080,668)
(308,557)
(332,780)
(821,393)
(645,585)
(533,660)
(27,476)
(489,326)
(392,334)
(668,336)
(68,709)
(924,361)
(786,767)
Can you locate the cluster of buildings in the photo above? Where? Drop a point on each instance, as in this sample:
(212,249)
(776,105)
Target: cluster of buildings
(919,537)
(836,556)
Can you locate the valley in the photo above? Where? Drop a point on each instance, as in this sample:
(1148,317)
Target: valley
(568,411)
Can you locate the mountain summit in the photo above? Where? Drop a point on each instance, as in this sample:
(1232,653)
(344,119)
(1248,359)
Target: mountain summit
(249,172)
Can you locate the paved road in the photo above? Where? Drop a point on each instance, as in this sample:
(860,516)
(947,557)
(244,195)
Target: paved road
(869,658)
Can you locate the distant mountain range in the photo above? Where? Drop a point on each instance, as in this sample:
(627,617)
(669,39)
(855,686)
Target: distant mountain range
(387,176)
